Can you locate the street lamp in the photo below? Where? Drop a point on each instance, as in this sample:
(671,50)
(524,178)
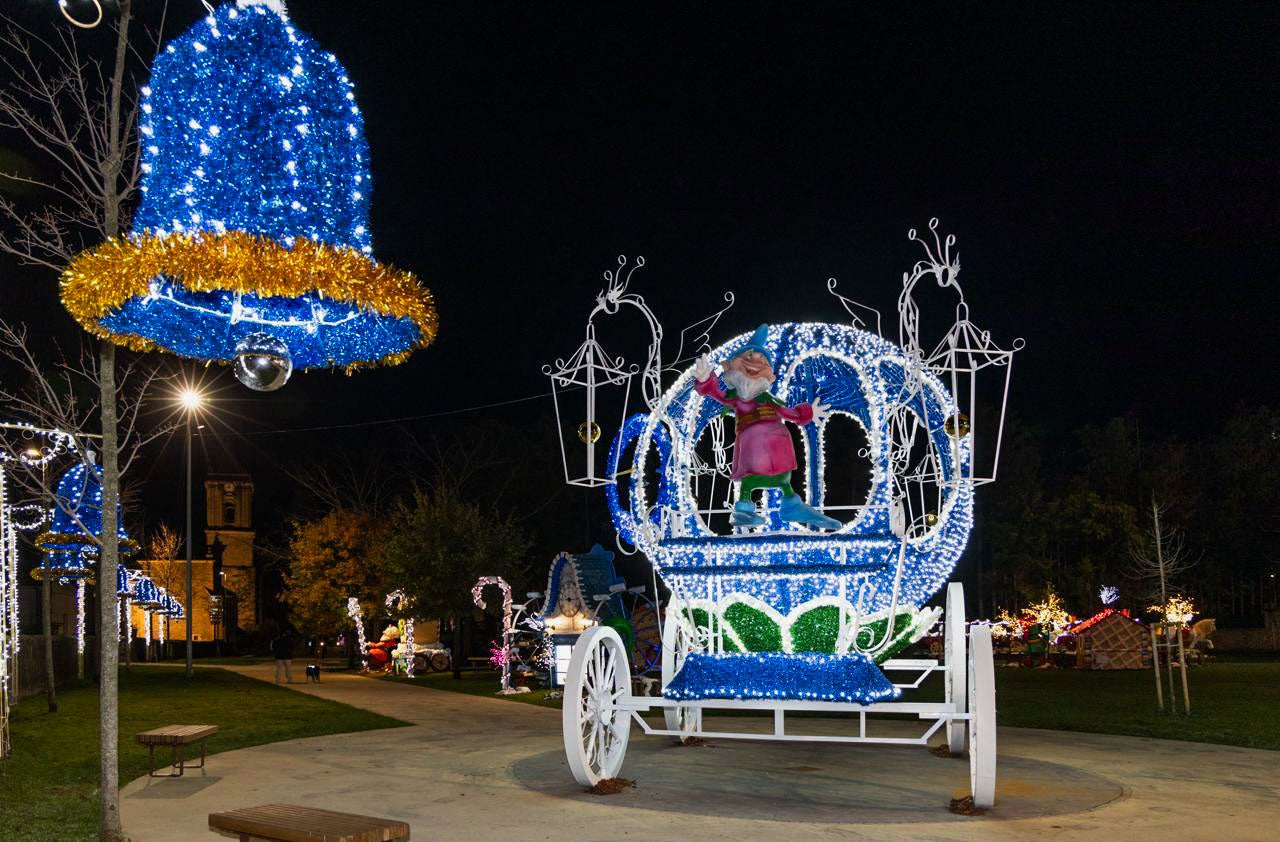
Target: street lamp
(191,401)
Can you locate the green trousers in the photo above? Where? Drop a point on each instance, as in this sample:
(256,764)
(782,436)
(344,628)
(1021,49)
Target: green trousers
(752,482)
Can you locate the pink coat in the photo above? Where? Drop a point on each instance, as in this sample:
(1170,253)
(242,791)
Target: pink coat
(763,447)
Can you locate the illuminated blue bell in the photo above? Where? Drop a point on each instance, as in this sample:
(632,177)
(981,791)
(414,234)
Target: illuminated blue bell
(146,595)
(123,586)
(252,243)
(76,520)
(170,607)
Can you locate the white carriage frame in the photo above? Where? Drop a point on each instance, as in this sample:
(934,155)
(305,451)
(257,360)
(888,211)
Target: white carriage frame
(599,705)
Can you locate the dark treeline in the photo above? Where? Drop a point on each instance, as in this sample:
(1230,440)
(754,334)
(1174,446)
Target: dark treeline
(1070,516)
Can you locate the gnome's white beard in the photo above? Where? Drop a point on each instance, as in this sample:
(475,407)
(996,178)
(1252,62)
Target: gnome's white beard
(746,387)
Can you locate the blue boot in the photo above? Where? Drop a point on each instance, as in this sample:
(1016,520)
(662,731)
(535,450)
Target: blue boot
(795,510)
(744,514)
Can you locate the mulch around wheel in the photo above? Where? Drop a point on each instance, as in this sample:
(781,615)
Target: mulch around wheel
(964,807)
(612,786)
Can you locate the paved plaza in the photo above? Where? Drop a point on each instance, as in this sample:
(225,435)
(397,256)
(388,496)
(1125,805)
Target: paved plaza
(478,768)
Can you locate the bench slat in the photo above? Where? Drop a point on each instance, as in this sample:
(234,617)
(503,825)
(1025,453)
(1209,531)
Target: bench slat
(295,823)
(176,734)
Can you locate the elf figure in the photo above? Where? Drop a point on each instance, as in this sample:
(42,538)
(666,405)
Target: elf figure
(763,455)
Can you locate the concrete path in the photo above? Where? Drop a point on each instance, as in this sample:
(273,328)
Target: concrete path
(474,768)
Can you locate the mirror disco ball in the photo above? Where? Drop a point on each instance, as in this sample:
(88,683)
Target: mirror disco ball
(263,362)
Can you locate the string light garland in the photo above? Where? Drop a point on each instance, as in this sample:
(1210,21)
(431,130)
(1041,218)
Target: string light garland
(9,636)
(252,241)
(80,612)
(37,446)
(356,613)
(124,590)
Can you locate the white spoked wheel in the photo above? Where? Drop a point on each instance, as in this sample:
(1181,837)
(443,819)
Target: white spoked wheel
(596,726)
(982,718)
(677,642)
(957,664)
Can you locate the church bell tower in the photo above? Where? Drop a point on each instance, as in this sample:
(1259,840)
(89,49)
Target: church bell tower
(229,519)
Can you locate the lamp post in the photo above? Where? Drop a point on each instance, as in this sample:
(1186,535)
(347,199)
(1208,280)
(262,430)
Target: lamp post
(191,402)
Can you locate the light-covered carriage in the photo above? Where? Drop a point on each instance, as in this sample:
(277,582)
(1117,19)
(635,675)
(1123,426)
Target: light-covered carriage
(784,618)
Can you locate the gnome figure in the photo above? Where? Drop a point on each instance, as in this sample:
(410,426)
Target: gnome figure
(763,455)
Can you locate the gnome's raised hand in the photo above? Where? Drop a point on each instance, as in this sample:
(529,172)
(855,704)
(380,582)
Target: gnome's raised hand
(702,368)
(821,412)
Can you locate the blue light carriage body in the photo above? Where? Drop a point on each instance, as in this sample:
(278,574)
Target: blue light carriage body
(786,573)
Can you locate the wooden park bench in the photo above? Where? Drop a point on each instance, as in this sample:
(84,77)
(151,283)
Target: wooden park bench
(291,823)
(177,737)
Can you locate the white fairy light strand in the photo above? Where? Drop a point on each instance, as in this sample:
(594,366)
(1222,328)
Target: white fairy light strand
(355,612)
(8,602)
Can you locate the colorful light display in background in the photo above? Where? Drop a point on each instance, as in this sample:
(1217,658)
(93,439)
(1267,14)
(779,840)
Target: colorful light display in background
(252,241)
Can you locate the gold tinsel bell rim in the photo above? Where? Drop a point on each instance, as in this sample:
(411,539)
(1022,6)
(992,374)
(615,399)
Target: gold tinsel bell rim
(102,279)
(58,540)
(71,574)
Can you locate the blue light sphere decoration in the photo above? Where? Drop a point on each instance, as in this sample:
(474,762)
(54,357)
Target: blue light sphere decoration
(76,521)
(785,572)
(254,220)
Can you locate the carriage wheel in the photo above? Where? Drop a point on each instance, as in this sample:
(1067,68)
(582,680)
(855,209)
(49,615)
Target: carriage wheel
(439,661)
(957,664)
(677,642)
(982,718)
(595,727)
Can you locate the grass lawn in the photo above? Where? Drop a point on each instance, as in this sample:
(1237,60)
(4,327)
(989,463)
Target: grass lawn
(1234,703)
(49,786)
(473,683)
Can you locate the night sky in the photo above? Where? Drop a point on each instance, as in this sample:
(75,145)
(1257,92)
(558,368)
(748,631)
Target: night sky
(1110,173)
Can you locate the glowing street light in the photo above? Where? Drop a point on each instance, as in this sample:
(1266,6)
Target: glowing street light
(191,401)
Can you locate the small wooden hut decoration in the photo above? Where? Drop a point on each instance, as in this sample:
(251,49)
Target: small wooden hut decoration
(1111,640)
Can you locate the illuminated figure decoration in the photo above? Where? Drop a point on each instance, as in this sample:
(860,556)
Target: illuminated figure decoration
(251,245)
(763,455)
(784,606)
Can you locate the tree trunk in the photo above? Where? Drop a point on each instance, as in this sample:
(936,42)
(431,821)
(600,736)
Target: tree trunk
(109,828)
(50,690)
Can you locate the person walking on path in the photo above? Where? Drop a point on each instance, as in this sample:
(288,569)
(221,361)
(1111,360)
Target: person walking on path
(282,651)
